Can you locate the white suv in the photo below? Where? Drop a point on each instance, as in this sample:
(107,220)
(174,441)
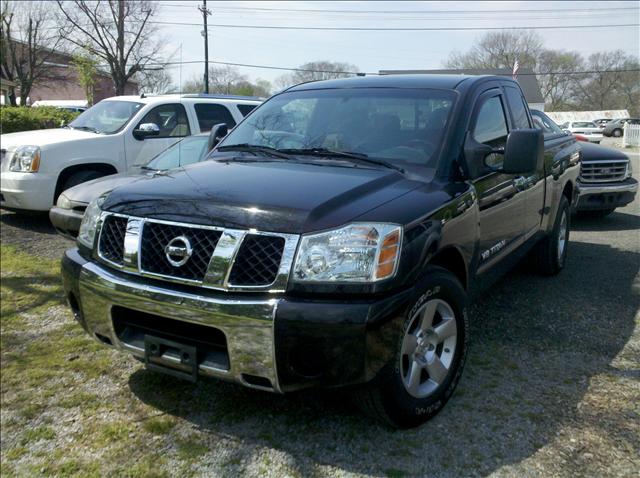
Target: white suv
(108,138)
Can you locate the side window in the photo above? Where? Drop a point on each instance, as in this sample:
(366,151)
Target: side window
(171,119)
(491,128)
(246,109)
(519,111)
(210,115)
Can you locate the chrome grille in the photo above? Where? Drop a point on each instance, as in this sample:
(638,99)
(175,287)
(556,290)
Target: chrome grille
(156,236)
(257,261)
(112,239)
(603,171)
(219,258)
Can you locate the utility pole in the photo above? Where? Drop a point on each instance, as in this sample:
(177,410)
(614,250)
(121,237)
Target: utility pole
(205,33)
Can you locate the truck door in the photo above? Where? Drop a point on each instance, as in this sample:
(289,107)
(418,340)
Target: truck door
(531,184)
(500,199)
(173,123)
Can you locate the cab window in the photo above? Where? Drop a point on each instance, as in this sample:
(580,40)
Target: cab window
(491,128)
(171,119)
(210,115)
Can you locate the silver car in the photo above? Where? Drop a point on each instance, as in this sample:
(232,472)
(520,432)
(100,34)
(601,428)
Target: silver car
(588,129)
(66,215)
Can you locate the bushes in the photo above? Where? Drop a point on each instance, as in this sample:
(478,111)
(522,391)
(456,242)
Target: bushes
(16,118)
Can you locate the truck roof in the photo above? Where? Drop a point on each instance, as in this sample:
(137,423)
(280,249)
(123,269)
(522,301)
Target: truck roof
(448,82)
(150,99)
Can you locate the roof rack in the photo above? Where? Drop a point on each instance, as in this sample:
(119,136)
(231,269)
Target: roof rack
(222,97)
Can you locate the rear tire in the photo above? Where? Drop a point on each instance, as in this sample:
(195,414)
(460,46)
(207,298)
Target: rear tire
(429,357)
(550,254)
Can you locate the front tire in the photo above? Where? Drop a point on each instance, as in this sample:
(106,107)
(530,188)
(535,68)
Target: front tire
(617,133)
(550,254)
(429,357)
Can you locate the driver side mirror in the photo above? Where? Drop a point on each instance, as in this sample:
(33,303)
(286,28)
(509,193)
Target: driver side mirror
(218,132)
(524,151)
(146,130)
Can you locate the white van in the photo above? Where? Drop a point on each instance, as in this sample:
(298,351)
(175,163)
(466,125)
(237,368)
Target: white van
(108,138)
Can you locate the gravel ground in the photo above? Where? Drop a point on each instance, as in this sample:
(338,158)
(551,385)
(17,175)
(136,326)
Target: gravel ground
(551,388)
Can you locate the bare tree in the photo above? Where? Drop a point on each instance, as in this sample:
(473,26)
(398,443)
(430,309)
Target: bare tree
(118,32)
(598,89)
(155,81)
(558,79)
(27,44)
(500,50)
(317,70)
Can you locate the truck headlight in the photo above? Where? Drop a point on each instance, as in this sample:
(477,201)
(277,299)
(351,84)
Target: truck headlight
(87,232)
(355,253)
(25,159)
(629,170)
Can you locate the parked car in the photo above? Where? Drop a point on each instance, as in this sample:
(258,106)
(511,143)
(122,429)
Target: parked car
(332,239)
(606,178)
(601,122)
(588,129)
(111,137)
(66,215)
(615,128)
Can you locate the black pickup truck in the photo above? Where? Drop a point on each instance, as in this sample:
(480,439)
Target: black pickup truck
(332,239)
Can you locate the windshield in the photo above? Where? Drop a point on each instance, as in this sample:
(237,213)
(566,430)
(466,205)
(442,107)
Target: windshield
(403,127)
(107,116)
(190,150)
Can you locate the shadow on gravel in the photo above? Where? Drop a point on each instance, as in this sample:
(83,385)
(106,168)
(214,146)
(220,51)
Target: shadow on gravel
(30,221)
(536,343)
(616,221)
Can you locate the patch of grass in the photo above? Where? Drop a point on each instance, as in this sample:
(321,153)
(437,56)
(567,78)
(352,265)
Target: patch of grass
(159,425)
(31,410)
(39,433)
(79,399)
(394,473)
(15,453)
(113,432)
(190,449)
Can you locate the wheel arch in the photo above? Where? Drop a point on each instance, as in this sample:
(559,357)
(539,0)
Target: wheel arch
(451,259)
(67,172)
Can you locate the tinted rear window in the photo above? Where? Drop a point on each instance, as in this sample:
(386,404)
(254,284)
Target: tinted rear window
(246,109)
(210,115)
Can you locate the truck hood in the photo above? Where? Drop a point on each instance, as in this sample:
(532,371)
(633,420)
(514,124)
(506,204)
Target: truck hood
(595,152)
(287,197)
(43,137)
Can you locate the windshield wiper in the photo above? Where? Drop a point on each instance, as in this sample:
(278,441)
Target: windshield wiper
(86,128)
(255,149)
(343,154)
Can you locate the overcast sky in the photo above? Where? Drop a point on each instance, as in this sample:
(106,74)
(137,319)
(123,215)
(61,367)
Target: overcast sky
(371,51)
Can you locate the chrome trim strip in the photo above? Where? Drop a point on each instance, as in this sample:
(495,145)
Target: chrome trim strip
(585,190)
(131,253)
(223,257)
(225,253)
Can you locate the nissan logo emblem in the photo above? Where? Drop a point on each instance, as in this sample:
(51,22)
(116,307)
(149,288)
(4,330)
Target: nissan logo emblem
(178,251)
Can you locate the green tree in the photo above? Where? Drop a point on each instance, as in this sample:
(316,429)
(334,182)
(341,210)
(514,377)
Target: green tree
(86,68)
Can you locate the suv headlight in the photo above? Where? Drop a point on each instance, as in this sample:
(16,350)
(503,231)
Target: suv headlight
(361,253)
(87,232)
(25,159)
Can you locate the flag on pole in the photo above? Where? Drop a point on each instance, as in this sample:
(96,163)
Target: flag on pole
(516,67)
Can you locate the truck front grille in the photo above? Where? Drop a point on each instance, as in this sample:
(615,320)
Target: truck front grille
(217,258)
(603,171)
(258,260)
(111,246)
(155,237)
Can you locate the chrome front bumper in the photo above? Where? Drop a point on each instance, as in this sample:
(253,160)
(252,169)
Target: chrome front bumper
(585,189)
(248,325)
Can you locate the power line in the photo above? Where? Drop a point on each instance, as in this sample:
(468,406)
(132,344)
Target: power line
(270,67)
(386,12)
(289,27)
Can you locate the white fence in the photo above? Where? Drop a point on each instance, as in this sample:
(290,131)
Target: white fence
(631,136)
